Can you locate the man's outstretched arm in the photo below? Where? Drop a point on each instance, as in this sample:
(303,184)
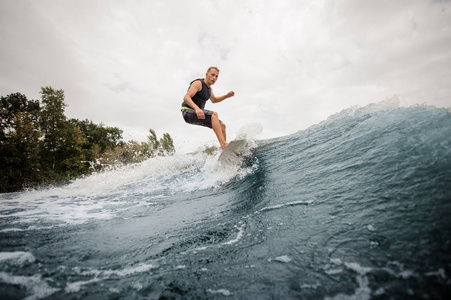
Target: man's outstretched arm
(221,98)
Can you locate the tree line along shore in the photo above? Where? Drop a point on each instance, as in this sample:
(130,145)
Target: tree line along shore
(39,145)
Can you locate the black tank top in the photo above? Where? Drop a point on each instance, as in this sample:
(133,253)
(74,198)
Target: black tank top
(201,97)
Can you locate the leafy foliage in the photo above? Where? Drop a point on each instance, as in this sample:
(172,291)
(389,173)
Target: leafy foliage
(134,152)
(39,145)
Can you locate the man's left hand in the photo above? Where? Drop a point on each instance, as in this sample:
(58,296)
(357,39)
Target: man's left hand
(230,94)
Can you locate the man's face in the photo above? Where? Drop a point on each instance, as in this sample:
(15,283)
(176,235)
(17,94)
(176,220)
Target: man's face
(211,77)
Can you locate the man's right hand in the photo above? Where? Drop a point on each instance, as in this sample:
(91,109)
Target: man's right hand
(200,114)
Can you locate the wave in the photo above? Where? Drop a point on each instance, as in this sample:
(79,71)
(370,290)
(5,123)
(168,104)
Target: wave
(357,206)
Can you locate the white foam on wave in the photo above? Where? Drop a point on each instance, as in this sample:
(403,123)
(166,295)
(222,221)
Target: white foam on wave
(440,273)
(370,227)
(36,287)
(141,268)
(333,271)
(59,209)
(358,268)
(74,287)
(239,236)
(204,176)
(336,261)
(223,292)
(111,182)
(223,173)
(283,258)
(250,132)
(311,286)
(388,104)
(13,229)
(103,195)
(29,228)
(363,291)
(209,173)
(279,206)
(99,275)
(399,271)
(16,258)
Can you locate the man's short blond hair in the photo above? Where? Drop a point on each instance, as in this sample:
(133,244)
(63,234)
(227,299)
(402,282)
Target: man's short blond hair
(209,69)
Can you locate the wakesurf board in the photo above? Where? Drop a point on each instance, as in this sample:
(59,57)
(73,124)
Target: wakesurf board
(232,153)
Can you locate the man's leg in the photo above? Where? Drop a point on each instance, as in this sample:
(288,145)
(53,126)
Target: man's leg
(219,130)
(223,127)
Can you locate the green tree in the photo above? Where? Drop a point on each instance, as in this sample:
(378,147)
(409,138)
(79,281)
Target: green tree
(13,104)
(53,123)
(104,137)
(167,145)
(20,143)
(62,153)
(73,161)
(153,142)
(39,145)
(97,140)
(164,146)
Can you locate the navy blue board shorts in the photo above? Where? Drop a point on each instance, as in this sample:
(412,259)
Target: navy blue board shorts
(190,117)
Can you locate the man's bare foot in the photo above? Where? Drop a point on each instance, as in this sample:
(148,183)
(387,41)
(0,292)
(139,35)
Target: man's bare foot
(224,146)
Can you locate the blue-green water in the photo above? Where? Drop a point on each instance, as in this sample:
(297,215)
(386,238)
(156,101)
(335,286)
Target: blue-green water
(357,207)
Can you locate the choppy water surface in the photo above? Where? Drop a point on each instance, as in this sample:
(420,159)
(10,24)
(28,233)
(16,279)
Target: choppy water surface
(357,207)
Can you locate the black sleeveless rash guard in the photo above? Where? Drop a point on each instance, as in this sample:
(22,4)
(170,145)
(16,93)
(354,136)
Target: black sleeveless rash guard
(201,97)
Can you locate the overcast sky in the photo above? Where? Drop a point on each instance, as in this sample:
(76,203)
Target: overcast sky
(291,63)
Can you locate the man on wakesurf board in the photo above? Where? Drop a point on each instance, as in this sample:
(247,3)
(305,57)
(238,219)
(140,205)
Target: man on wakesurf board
(194,101)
